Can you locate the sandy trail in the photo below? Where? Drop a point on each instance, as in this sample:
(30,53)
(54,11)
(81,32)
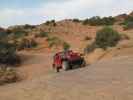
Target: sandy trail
(35,65)
(105,80)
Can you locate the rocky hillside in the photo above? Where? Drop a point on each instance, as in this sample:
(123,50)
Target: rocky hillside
(36,44)
(108,76)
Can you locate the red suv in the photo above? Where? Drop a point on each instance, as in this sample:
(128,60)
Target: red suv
(67,60)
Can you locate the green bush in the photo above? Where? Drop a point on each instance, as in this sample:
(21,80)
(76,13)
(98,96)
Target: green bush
(96,21)
(54,41)
(52,22)
(27,26)
(89,48)
(8,75)
(3,35)
(66,46)
(42,34)
(85,22)
(26,44)
(127,20)
(128,23)
(108,20)
(107,37)
(8,54)
(76,20)
(128,26)
(19,32)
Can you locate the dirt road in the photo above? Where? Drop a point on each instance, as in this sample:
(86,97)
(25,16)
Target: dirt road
(105,80)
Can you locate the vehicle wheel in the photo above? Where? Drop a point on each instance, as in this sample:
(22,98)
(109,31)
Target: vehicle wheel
(65,65)
(57,70)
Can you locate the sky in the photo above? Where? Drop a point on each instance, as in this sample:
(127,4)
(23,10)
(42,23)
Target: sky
(17,12)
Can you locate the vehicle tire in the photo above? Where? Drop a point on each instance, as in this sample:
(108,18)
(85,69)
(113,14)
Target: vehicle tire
(57,70)
(65,65)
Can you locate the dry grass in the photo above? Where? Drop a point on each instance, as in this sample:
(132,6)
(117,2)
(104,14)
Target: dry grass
(8,75)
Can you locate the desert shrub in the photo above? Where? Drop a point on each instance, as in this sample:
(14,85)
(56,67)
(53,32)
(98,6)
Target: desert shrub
(66,46)
(108,21)
(52,22)
(95,21)
(27,26)
(128,26)
(76,20)
(107,37)
(54,41)
(26,43)
(127,20)
(3,35)
(89,48)
(8,54)
(42,34)
(128,23)
(85,22)
(8,75)
(47,22)
(19,34)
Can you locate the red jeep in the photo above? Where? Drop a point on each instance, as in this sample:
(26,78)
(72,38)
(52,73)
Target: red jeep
(67,60)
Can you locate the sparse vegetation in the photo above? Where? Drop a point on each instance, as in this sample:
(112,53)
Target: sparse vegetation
(3,35)
(128,19)
(8,54)
(27,26)
(42,34)
(96,21)
(66,46)
(128,23)
(128,26)
(52,22)
(89,48)
(54,41)
(26,44)
(85,22)
(8,75)
(76,20)
(106,37)
(17,32)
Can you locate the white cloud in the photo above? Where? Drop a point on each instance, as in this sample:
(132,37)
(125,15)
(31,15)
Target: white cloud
(8,13)
(62,10)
